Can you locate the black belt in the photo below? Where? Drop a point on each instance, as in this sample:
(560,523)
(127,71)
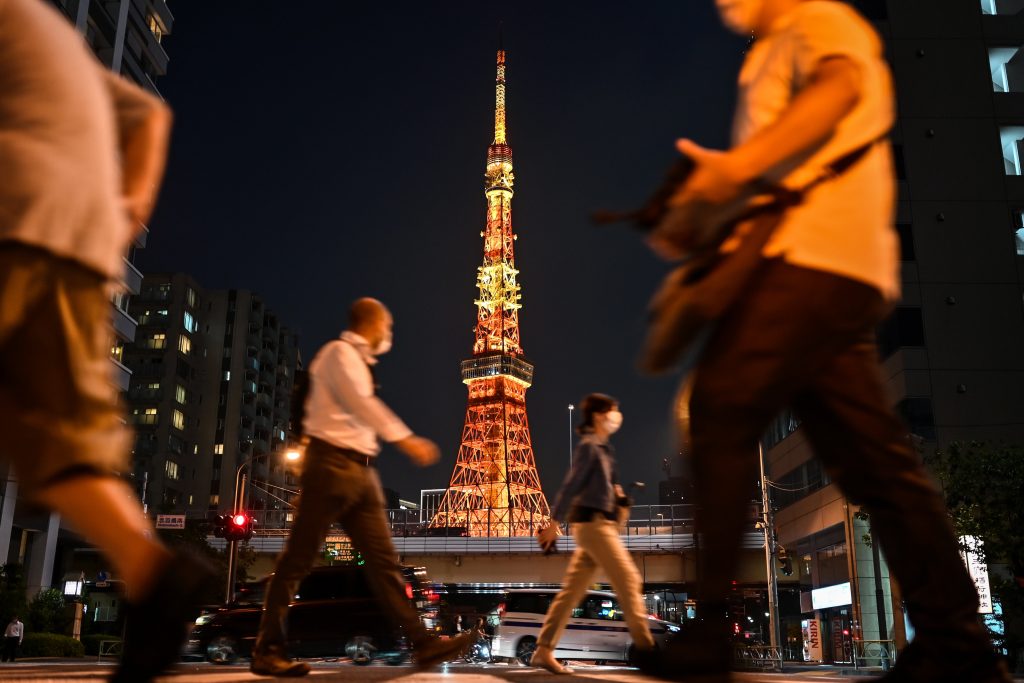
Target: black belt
(359,458)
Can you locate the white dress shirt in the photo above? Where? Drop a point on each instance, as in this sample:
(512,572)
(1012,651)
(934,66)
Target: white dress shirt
(15,629)
(341,408)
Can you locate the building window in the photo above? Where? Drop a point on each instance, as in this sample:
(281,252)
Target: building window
(1018,230)
(214,500)
(145,416)
(190,297)
(1012,140)
(1004,7)
(117,351)
(157,341)
(190,322)
(178,419)
(154,27)
(184,344)
(227,375)
(180,395)
(1007,67)
(917,413)
(905,327)
(218,448)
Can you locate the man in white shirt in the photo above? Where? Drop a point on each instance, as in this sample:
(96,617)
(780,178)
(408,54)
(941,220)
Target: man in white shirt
(814,89)
(82,154)
(345,422)
(13,635)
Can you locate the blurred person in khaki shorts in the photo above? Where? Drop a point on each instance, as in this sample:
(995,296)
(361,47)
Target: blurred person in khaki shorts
(82,153)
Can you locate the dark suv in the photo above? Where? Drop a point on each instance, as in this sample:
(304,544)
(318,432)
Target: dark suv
(334,614)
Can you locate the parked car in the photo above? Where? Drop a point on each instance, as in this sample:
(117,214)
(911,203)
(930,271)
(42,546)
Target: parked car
(596,629)
(334,614)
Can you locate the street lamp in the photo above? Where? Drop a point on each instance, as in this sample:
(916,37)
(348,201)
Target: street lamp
(571,408)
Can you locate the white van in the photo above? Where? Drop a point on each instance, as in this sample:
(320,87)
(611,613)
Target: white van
(596,629)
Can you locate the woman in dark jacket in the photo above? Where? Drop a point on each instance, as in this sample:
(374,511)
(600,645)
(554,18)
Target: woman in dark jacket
(589,500)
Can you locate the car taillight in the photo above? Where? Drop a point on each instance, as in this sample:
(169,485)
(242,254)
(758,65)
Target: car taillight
(408,590)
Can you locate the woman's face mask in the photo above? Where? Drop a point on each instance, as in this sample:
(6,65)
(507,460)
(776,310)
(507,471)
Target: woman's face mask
(740,16)
(612,421)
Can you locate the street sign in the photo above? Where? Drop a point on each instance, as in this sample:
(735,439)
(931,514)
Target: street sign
(170,521)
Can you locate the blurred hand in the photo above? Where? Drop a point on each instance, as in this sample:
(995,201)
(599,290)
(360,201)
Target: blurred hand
(548,536)
(716,192)
(423,452)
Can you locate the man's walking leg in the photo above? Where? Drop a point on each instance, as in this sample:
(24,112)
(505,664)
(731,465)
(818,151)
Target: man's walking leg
(366,525)
(868,452)
(314,517)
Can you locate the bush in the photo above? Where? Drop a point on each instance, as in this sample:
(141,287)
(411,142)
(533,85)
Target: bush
(46,612)
(91,642)
(50,645)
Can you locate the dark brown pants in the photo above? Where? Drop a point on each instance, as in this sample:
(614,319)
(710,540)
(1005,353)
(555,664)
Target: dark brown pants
(336,489)
(805,339)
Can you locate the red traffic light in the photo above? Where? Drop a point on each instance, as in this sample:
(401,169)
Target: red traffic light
(239,520)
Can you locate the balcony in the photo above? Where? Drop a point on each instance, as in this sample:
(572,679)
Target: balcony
(124,325)
(131,277)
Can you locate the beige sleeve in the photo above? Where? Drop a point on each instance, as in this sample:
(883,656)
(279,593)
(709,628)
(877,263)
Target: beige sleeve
(831,29)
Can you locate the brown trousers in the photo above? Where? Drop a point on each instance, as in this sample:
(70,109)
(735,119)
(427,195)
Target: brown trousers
(598,545)
(806,339)
(335,488)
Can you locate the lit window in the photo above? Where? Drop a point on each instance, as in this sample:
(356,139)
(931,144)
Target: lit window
(214,501)
(154,27)
(1012,140)
(218,448)
(145,416)
(171,469)
(178,419)
(162,313)
(190,322)
(157,341)
(184,345)
(1004,7)
(190,297)
(1007,67)
(179,394)
(227,375)
(117,351)
(153,386)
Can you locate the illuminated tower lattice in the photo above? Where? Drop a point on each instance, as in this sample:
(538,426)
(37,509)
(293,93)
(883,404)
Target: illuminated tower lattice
(495,490)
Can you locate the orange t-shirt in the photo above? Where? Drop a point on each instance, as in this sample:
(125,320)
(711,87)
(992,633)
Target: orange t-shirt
(845,224)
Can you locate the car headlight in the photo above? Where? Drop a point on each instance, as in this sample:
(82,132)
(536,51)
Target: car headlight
(204,619)
(672,628)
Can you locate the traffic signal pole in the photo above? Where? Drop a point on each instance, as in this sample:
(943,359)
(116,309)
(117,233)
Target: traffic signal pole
(768,527)
(229,590)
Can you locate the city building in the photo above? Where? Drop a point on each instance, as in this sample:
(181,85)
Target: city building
(126,37)
(951,350)
(210,400)
(430,500)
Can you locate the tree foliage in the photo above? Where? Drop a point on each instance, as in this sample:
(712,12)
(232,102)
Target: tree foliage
(983,484)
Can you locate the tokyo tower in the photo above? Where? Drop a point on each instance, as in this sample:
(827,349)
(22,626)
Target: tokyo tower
(495,489)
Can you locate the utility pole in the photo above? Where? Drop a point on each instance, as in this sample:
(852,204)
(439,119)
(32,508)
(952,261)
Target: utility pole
(768,526)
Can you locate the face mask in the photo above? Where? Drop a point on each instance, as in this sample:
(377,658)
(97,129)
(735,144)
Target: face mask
(612,421)
(383,346)
(739,16)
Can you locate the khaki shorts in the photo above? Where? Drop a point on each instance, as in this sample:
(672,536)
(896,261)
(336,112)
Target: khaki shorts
(58,406)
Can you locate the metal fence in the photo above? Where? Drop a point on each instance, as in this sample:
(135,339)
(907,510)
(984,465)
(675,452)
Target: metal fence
(874,653)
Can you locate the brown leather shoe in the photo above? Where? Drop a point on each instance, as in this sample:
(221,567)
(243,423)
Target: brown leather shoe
(272,661)
(434,651)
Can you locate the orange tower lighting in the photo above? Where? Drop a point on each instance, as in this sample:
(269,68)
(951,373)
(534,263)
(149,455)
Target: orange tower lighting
(495,489)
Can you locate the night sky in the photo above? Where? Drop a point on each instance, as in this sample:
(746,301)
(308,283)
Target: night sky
(325,150)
